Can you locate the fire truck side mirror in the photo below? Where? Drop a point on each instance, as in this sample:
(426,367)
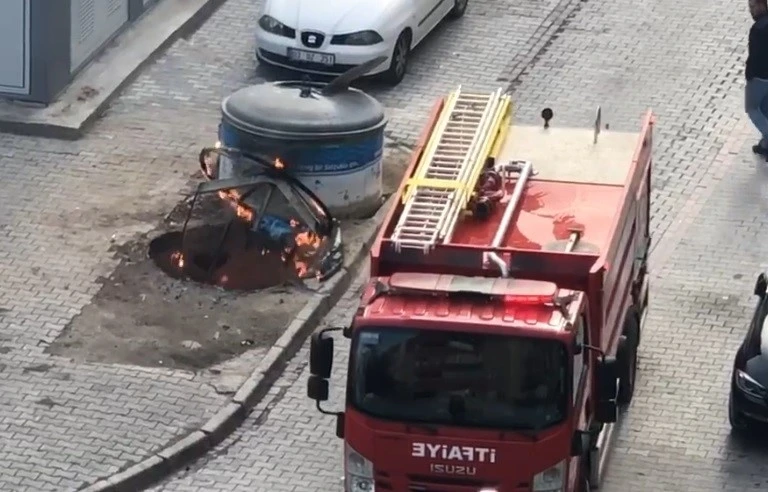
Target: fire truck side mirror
(607,378)
(321,355)
(606,411)
(317,388)
(761,284)
(580,443)
(340,425)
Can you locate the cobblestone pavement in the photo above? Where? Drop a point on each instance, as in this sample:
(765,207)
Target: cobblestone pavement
(65,423)
(683,58)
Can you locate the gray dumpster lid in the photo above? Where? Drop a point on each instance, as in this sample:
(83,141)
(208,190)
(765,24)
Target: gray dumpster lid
(298,109)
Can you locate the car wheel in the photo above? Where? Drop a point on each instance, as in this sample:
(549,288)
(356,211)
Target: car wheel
(628,361)
(459,7)
(739,423)
(398,66)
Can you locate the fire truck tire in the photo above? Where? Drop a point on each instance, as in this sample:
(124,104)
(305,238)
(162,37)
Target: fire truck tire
(627,356)
(585,486)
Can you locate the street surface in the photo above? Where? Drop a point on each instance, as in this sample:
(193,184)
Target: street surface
(65,422)
(684,59)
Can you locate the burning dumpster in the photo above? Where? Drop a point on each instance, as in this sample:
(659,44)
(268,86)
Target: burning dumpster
(332,141)
(291,156)
(252,232)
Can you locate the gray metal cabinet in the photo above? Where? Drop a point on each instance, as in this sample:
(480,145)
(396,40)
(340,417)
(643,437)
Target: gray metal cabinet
(14,47)
(45,43)
(93,23)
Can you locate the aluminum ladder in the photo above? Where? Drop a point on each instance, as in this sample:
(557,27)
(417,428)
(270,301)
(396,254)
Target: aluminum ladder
(470,127)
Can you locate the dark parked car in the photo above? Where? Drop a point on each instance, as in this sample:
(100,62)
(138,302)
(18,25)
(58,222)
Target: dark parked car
(748,401)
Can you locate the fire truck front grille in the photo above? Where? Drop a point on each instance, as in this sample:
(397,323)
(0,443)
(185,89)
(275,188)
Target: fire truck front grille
(419,483)
(383,481)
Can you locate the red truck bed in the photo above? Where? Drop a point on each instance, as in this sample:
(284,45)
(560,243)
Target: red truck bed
(578,184)
(600,188)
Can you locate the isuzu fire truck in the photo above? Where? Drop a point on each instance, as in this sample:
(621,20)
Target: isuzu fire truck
(498,334)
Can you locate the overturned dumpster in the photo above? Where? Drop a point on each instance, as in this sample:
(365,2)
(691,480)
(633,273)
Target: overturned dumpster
(292,158)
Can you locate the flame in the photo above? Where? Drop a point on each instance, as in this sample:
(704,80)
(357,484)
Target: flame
(307,243)
(279,164)
(233,197)
(308,238)
(178,258)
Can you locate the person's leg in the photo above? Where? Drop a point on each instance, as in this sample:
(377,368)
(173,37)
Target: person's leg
(755,102)
(764,110)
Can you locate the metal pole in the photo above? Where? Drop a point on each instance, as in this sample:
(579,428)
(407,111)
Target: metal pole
(188,217)
(217,251)
(514,200)
(572,240)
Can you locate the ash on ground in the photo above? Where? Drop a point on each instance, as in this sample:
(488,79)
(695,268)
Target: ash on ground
(141,316)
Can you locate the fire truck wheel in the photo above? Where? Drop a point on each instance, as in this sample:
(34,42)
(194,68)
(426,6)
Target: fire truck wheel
(627,355)
(585,486)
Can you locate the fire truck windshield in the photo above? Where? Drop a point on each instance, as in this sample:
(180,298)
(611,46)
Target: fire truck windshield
(460,379)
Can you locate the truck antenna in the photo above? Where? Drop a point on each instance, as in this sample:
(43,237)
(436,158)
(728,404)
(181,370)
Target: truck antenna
(598,122)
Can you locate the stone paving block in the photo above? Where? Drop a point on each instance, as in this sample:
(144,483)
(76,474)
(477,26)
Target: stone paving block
(572,56)
(62,202)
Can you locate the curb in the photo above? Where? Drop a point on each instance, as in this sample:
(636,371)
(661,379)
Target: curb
(233,413)
(17,121)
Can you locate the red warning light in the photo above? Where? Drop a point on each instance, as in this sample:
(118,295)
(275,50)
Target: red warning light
(529,299)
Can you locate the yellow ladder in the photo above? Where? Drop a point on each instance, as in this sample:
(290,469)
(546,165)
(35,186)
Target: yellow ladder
(469,129)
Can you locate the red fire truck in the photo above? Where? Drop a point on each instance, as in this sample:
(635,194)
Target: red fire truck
(498,334)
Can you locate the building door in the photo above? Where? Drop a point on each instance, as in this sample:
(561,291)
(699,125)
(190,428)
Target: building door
(94,22)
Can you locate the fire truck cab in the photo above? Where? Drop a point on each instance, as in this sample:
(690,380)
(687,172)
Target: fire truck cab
(498,333)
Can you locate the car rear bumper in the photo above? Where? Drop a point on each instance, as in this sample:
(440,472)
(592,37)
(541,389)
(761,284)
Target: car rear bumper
(273,50)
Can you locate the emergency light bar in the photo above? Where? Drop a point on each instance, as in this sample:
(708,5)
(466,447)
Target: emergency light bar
(510,289)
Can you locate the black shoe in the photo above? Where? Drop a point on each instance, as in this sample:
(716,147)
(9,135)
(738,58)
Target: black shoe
(760,150)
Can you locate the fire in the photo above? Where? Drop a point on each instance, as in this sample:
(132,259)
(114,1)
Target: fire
(233,197)
(309,239)
(279,164)
(178,259)
(307,243)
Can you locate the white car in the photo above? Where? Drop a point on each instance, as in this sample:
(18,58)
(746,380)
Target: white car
(329,37)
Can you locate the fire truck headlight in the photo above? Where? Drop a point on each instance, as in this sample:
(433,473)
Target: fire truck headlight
(551,479)
(359,472)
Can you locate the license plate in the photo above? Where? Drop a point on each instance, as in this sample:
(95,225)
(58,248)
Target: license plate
(311,57)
